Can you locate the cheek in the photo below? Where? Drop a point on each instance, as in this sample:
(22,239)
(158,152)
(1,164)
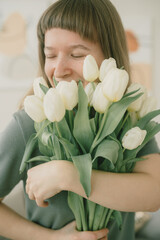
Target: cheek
(48,68)
(79,69)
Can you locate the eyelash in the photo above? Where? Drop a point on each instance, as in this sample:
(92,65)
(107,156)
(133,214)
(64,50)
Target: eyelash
(72,55)
(77,56)
(50,57)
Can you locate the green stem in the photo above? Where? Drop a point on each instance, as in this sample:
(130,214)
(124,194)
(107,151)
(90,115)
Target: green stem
(102,222)
(93,86)
(70,114)
(97,217)
(58,130)
(125,119)
(99,131)
(60,135)
(91,213)
(100,118)
(55,82)
(83,216)
(108,216)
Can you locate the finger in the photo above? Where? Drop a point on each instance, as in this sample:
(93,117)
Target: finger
(104,238)
(41,203)
(101,233)
(31,195)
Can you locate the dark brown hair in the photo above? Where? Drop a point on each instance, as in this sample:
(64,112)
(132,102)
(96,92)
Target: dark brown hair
(95,20)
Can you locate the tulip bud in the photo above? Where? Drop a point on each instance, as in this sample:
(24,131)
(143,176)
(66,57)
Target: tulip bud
(136,105)
(33,106)
(53,105)
(133,138)
(68,92)
(36,87)
(105,67)
(89,90)
(148,105)
(90,69)
(99,101)
(115,84)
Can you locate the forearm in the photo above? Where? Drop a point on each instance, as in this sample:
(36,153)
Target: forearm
(125,192)
(15,227)
(138,191)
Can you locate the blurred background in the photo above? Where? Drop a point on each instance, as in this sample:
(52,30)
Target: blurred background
(18,46)
(19,63)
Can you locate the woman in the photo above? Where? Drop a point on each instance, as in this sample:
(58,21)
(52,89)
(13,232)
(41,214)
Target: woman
(67,32)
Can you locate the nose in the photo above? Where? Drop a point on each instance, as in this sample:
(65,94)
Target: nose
(62,68)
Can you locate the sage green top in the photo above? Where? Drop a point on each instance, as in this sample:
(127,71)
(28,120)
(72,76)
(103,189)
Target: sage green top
(12,145)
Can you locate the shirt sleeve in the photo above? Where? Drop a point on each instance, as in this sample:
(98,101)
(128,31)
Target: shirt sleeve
(150,148)
(12,145)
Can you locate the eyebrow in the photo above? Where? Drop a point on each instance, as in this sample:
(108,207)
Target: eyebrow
(74,46)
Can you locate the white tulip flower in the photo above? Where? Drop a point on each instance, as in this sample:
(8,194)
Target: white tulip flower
(149,105)
(36,87)
(136,105)
(89,90)
(99,101)
(53,106)
(105,67)
(133,138)
(90,69)
(68,92)
(115,84)
(33,106)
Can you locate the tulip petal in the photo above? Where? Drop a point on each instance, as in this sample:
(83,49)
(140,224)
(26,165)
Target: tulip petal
(90,69)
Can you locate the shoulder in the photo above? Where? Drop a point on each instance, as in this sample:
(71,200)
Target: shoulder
(25,123)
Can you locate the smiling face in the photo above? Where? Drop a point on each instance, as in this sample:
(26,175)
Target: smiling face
(65,52)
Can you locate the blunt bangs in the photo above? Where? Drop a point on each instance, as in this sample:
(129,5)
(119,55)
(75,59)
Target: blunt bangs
(72,15)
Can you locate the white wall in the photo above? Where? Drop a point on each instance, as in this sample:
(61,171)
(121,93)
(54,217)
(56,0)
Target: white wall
(9,97)
(151,9)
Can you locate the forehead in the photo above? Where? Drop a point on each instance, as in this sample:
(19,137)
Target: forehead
(58,36)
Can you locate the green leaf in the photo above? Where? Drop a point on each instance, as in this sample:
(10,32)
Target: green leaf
(83,164)
(46,138)
(57,147)
(45,150)
(44,88)
(64,129)
(107,149)
(71,148)
(126,127)
(143,121)
(131,93)
(30,146)
(39,127)
(82,130)
(115,114)
(39,158)
(93,125)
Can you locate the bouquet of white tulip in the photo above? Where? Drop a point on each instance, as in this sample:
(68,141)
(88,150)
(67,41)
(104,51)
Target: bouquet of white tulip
(102,126)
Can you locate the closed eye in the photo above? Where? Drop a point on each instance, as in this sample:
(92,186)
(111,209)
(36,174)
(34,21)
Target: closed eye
(50,56)
(77,56)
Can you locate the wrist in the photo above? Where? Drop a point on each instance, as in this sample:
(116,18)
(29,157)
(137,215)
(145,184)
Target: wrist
(71,180)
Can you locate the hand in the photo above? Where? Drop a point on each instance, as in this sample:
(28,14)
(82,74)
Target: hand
(46,180)
(69,232)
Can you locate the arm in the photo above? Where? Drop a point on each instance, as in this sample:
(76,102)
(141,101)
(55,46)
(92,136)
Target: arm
(19,227)
(15,227)
(137,191)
